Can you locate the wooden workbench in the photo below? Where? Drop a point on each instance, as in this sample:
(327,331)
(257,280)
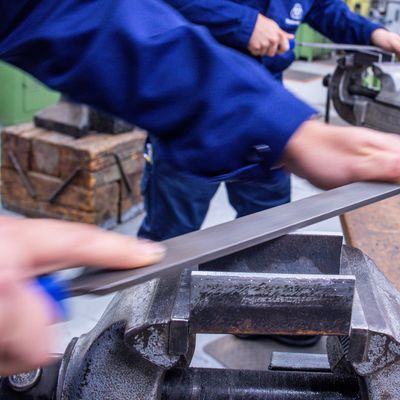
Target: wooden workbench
(375,229)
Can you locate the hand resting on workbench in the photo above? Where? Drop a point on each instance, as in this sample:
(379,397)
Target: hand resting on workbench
(32,247)
(330,156)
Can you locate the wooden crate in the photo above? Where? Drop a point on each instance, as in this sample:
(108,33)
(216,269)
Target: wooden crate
(94,179)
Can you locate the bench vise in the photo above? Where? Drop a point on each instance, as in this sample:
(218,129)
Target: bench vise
(365,90)
(299,284)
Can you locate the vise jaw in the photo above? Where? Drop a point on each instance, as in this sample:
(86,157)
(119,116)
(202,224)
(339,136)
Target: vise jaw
(142,347)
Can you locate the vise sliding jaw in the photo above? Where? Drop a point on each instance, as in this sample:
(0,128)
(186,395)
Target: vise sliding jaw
(142,346)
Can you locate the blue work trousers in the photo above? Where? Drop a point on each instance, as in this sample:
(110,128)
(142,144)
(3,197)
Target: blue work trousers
(176,203)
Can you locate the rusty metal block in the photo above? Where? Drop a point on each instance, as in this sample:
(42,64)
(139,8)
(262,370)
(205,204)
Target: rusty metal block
(279,304)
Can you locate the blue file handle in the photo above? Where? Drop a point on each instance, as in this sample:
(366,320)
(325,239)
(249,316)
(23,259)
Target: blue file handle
(57,290)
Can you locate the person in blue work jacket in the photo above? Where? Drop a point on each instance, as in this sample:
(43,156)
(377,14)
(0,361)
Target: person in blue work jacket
(176,204)
(215,113)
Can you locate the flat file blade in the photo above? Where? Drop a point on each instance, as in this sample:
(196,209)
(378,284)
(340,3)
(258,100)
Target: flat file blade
(209,244)
(343,46)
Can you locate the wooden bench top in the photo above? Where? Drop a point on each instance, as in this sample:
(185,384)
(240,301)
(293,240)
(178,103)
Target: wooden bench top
(375,229)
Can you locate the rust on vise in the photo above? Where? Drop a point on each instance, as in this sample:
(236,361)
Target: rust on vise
(258,303)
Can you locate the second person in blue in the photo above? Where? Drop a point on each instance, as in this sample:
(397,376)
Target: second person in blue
(177,204)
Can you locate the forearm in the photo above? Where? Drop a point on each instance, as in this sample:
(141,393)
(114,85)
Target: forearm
(230,23)
(335,20)
(203,101)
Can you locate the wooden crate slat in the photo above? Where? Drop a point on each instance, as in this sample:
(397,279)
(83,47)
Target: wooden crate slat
(73,196)
(107,218)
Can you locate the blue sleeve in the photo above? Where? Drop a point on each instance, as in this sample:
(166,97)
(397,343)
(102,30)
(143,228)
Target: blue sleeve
(230,23)
(208,105)
(335,20)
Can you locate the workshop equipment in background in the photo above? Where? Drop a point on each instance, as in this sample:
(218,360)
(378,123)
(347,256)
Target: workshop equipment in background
(306,34)
(365,89)
(21,96)
(387,13)
(94,179)
(142,346)
(392,16)
(361,7)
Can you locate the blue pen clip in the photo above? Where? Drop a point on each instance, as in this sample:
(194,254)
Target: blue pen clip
(292,44)
(57,290)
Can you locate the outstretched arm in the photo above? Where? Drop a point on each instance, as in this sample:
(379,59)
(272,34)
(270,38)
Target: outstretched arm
(334,19)
(142,61)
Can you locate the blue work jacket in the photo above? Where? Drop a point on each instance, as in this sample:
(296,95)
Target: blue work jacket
(232,21)
(216,113)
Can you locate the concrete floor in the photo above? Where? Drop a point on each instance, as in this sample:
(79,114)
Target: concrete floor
(85,311)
